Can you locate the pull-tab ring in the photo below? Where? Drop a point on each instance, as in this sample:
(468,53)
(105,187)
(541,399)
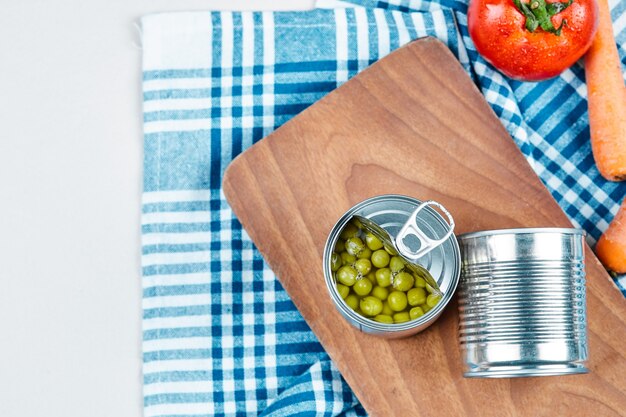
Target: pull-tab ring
(411,228)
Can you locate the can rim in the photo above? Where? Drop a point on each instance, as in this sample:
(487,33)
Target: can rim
(526,371)
(522,231)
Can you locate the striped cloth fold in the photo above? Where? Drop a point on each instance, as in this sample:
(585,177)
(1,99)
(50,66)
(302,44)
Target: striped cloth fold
(220,335)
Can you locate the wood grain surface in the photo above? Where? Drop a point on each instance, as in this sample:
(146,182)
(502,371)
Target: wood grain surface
(415,124)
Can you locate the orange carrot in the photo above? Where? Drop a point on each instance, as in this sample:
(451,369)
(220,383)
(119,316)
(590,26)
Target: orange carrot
(611,248)
(606,99)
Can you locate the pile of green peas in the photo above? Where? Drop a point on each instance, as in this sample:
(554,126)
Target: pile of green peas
(375,282)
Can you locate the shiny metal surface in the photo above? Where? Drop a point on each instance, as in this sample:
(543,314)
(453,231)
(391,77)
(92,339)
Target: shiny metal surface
(391,212)
(522,303)
(412,229)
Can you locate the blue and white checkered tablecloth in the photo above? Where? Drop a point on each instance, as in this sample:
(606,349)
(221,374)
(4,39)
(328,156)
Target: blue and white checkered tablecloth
(220,335)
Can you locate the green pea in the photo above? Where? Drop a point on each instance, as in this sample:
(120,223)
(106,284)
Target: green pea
(339,246)
(335,262)
(354,245)
(372,277)
(362,287)
(397,300)
(401,317)
(384,318)
(352,301)
(347,275)
(380,292)
(349,231)
(420,282)
(371,306)
(416,312)
(383,277)
(365,254)
(386,309)
(380,258)
(396,264)
(373,242)
(430,289)
(425,307)
(347,259)
(343,290)
(432,300)
(363,266)
(416,296)
(403,281)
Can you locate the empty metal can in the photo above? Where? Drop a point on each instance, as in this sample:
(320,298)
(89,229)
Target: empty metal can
(443,261)
(522,302)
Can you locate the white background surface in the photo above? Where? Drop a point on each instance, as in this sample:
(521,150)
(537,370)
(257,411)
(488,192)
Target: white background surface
(70,184)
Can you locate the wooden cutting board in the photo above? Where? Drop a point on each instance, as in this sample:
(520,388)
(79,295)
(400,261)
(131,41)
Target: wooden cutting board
(415,124)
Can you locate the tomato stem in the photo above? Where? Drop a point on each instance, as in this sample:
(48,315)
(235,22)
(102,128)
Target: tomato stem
(538,13)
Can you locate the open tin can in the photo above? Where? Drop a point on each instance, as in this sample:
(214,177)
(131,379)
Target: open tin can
(418,233)
(522,302)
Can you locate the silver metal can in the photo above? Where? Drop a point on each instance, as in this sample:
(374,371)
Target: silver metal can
(443,261)
(522,302)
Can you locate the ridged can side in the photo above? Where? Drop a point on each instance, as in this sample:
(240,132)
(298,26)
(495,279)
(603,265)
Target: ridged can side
(522,303)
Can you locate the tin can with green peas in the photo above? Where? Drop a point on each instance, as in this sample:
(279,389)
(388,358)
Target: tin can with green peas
(392,264)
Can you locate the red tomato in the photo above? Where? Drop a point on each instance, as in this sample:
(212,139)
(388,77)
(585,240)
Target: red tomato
(534,40)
